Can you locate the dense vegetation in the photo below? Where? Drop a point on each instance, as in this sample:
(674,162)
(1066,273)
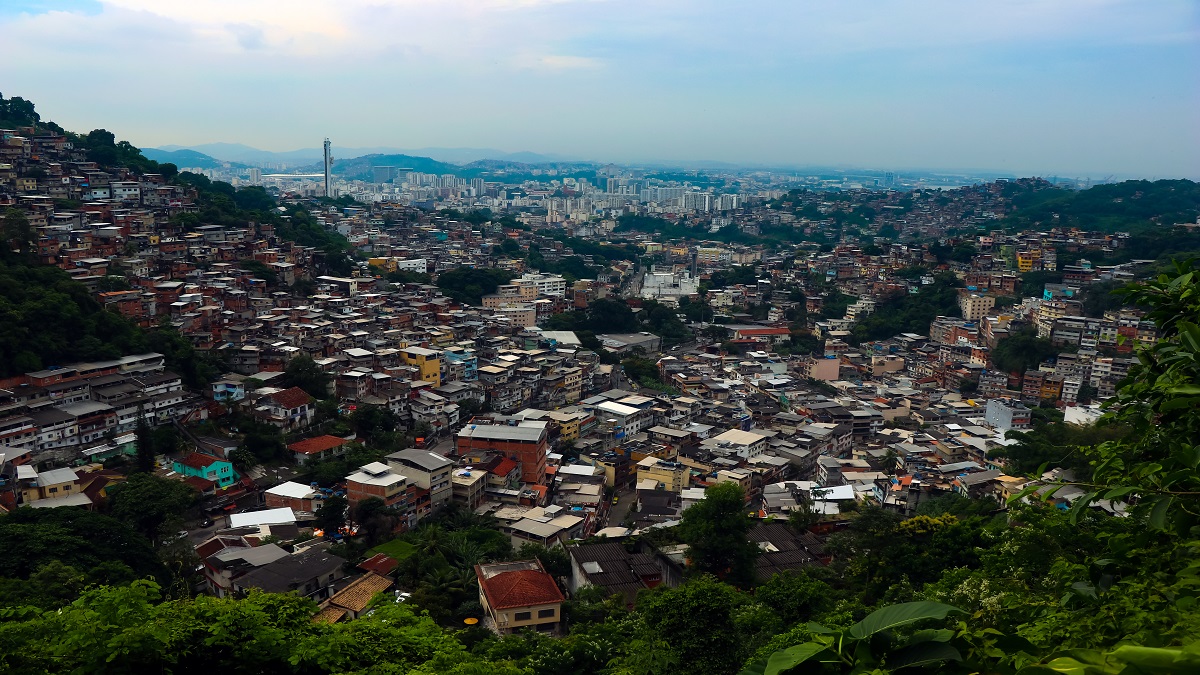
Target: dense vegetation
(46,319)
(613,315)
(1134,205)
(911,312)
(469,284)
(1022,351)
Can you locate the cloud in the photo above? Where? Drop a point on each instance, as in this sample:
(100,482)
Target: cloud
(818,80)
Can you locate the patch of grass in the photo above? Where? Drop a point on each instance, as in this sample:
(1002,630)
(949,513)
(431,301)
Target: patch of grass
(396,548)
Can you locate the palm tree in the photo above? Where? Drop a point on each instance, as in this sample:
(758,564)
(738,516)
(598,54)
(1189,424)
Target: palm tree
(430,540)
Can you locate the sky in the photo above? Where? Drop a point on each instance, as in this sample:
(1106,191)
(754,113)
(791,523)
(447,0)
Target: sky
(1047,87)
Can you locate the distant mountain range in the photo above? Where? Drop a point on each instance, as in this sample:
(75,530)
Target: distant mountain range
(186,158)
(237,152)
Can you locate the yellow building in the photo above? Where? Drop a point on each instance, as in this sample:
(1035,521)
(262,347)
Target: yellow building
(385,264)
(428,361)
(673,475)
(1028,260)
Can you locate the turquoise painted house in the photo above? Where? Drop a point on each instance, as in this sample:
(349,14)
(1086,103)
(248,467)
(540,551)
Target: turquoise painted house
(200,465)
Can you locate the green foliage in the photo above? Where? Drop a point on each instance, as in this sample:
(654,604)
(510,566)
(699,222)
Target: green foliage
(1022,351)
(555,560)
(796,596)
(1160,460)
(715,531)
(48,319)
(262,633)
(739,274)
(332,515)
(147,502)
(303,372)
(651,224)
(195,368)
(83,540)
(468,285)
(1055,445)
(834,304)
(259,270)
(870,643)
(264,441)
(881,551)
(1134,205)
(701,619)
(17,112)
(407,277)
(911,313)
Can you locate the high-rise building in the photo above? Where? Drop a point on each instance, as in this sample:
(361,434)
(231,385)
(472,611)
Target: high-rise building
(328,168)
(382,174)
(256,176)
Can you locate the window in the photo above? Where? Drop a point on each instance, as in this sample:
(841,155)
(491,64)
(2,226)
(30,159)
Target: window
(546,613)
(522,616)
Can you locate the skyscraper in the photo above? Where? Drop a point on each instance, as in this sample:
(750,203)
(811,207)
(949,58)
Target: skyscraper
(255,176)
(328,167)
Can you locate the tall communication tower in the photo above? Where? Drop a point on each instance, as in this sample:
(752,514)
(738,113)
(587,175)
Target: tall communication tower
(328,168)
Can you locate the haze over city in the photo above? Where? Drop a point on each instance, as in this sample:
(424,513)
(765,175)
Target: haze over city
(1072,87)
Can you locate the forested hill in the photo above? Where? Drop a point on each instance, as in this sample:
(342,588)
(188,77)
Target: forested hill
(359,168)
(1130,206)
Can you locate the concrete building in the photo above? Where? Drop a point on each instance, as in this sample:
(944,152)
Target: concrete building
(426,469)
(519,595)
(1006,414)
(527,442)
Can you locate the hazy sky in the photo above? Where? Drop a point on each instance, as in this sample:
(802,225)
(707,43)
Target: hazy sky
(1032,87)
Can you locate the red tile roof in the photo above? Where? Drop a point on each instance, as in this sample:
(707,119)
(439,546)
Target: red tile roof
(201,484)
(522,588)
(312,446)
(380,563)
(291,398)
(199,460)
(505,467)
(765,331)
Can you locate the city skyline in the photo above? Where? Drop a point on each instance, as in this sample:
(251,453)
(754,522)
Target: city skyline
(1076,87)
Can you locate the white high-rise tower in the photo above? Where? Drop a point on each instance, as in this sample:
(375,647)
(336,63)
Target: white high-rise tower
(328,168)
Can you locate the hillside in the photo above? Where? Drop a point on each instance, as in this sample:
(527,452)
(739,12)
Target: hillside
(1035,586)
(1131,206)
(359,168)
(184,158)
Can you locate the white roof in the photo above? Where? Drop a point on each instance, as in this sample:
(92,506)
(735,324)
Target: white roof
(617,408)
(282,516)
(740,437)
(835,493)
(292,489)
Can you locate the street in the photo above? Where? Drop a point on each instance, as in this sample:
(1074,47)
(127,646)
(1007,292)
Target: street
(616,515)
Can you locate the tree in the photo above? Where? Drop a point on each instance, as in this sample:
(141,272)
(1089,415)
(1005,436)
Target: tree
(715,530)
(373,421)
(243,458)
(303,372)
(555,560)
(375,518)
(145,444)
(796,596)
(147,502)
(331,516)
(700,619)
(1021,352)
(17,232)
(84,540)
